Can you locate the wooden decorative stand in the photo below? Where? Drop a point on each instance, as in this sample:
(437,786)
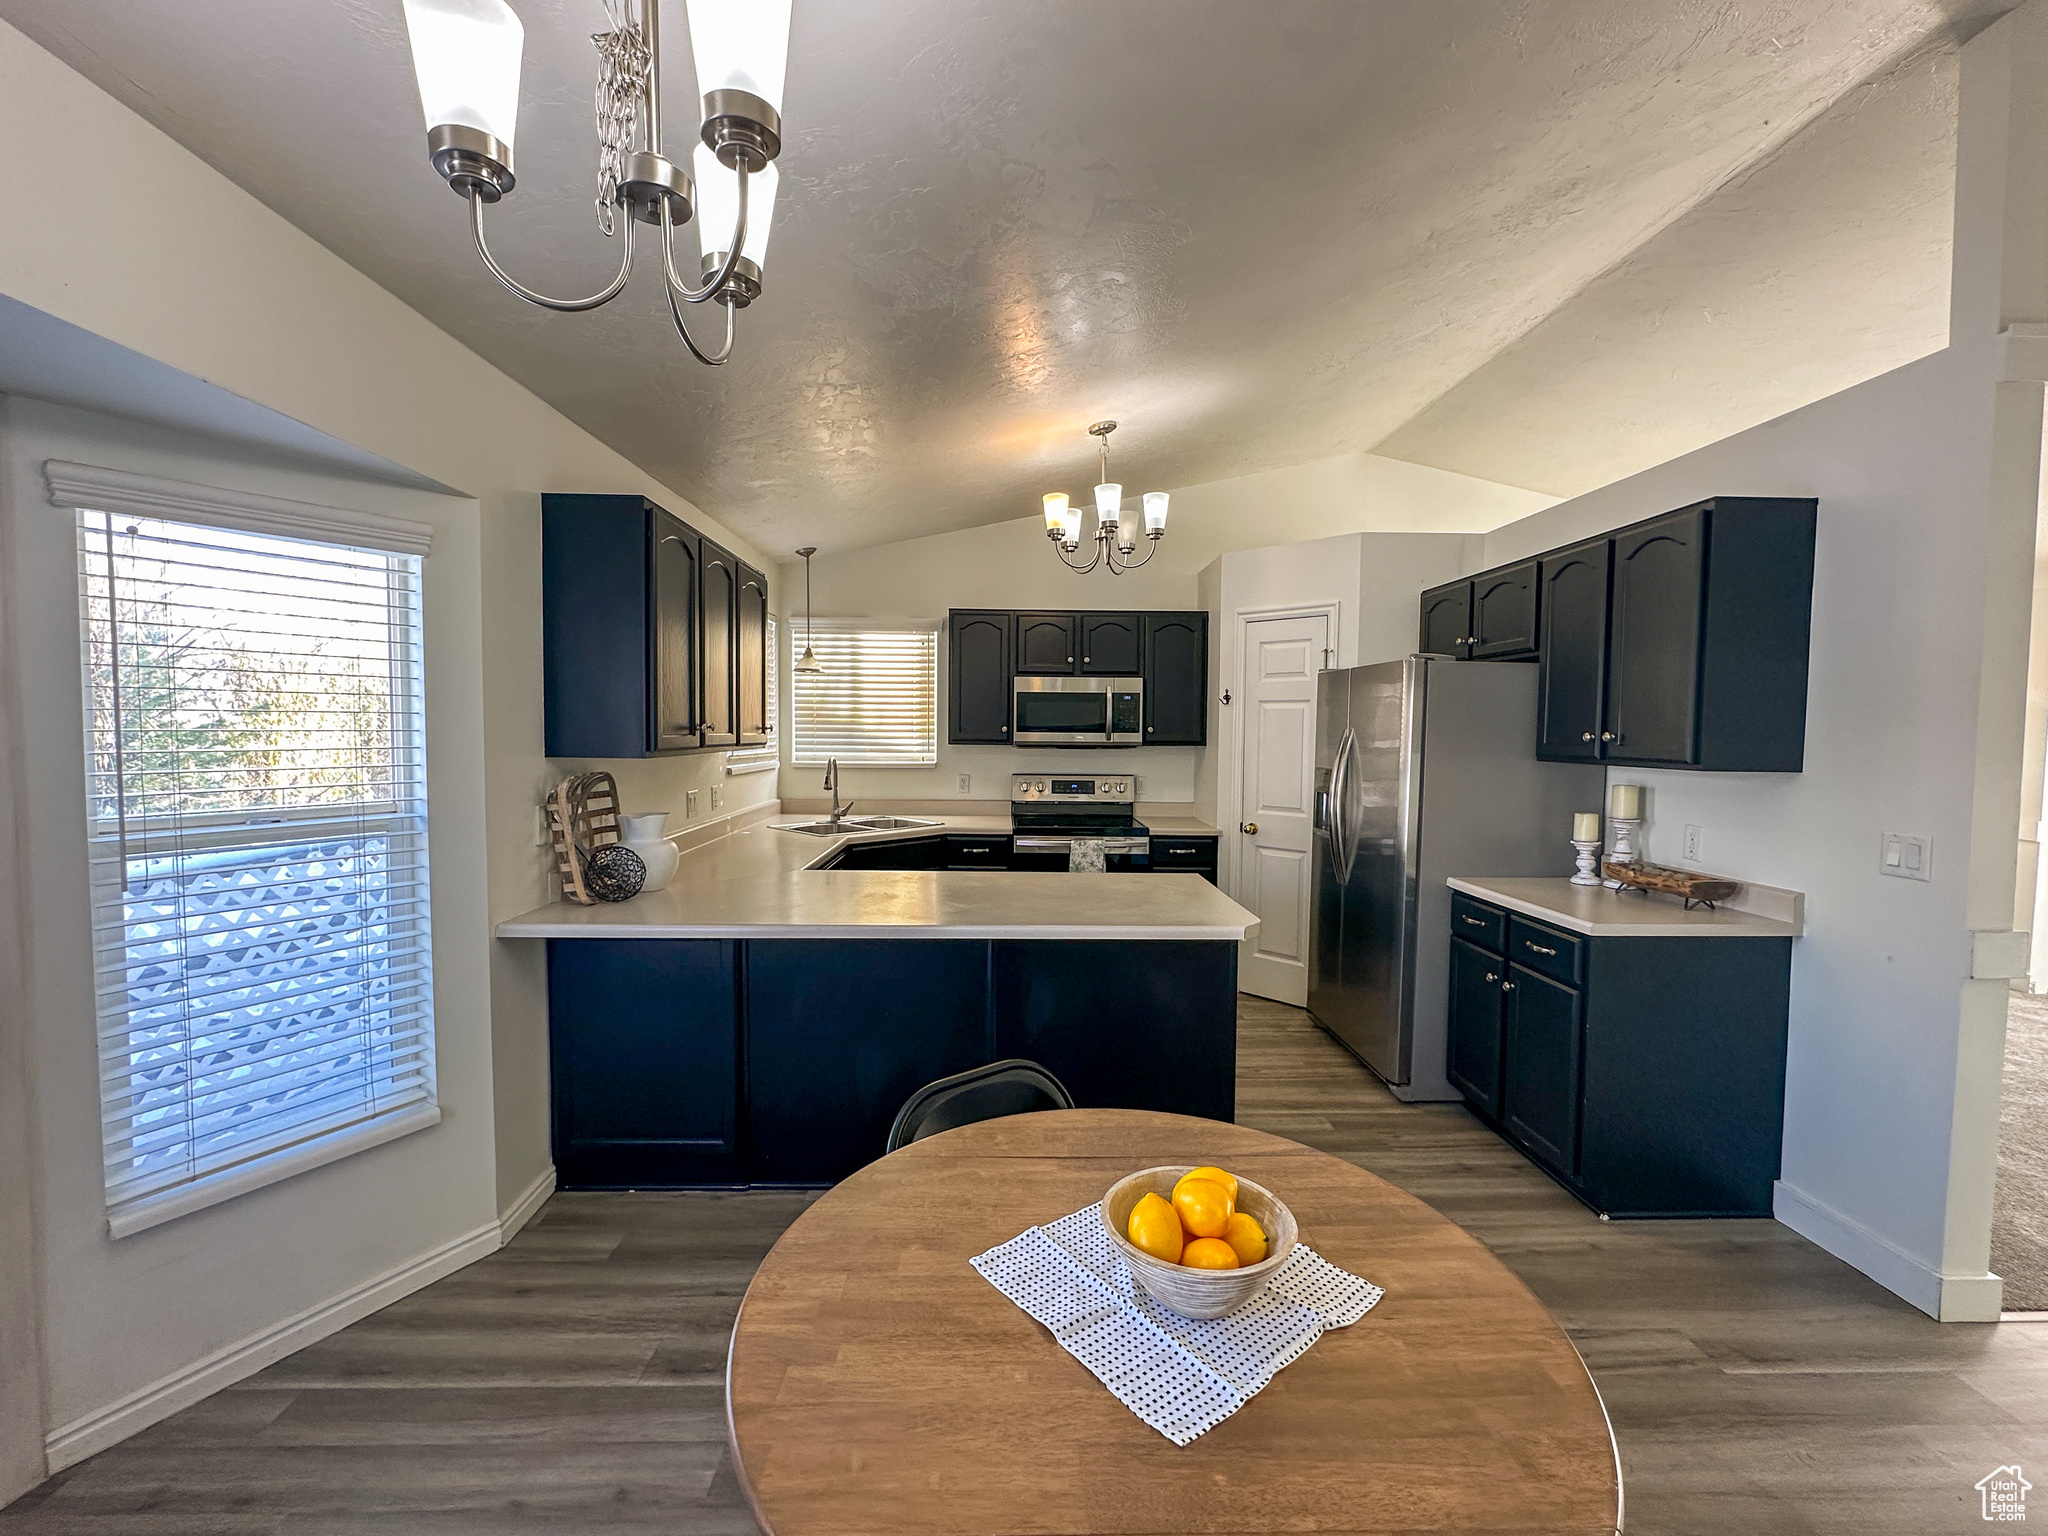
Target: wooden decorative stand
(583,814)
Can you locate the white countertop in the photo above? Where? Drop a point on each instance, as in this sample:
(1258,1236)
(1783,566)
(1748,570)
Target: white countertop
(760,883)
(1595,910)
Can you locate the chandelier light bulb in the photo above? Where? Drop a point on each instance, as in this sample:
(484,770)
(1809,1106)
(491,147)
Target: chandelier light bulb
(718,206)
(1055,511)
(740,45)
(1070,520)
(1155,511)
(465,54)
(1109,502)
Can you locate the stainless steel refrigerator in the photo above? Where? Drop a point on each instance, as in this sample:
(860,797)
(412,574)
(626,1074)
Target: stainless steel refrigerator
(1425,768)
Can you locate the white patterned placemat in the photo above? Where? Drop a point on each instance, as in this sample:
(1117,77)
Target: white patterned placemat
(1179,1375)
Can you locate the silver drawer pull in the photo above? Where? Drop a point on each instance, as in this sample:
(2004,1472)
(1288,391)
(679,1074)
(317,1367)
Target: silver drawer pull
(1476,922)
(1540,949)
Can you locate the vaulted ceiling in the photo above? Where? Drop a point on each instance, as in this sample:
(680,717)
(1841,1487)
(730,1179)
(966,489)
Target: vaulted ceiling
(1490,235)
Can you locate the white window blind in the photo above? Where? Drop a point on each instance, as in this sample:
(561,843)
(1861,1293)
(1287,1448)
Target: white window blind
(760,759)
(877,700)
(256,775)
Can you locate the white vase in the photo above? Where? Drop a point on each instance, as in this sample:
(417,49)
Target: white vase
(644,836)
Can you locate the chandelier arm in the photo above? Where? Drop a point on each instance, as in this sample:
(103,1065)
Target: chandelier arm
(683,290)
(1061,550)
(1128,564)
(572,306)
(690,341)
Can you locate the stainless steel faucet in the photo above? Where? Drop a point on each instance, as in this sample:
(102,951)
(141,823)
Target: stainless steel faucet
(832,783)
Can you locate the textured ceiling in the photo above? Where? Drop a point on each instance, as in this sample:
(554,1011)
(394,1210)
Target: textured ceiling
(1256,233)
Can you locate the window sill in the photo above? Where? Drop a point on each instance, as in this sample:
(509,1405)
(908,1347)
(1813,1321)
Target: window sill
(154,1210)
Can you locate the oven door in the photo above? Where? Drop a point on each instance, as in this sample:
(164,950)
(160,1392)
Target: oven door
(1050,851)
(1078,711)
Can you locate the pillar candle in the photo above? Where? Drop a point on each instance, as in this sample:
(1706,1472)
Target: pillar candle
(1586,827)
(1626,802)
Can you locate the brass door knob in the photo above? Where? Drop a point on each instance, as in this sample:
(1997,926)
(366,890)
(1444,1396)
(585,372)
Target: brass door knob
(1249,826)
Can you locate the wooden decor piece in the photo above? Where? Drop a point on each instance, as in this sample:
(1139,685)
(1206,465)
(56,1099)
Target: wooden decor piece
(1673,882)
(583,813)
(878,1386)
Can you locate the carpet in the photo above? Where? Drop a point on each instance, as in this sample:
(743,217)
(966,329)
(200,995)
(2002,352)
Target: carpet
(2019,1212)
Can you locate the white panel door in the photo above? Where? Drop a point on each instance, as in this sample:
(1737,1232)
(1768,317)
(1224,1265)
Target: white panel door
(1281,658)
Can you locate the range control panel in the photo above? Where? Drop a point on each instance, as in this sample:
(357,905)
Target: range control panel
(1051,788)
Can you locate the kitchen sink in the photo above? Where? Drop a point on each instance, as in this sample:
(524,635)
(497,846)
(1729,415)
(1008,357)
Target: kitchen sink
(814,828)
(890,823)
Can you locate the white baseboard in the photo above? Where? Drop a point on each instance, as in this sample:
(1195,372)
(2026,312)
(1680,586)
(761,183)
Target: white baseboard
(72,1443)
(1949,1298)
(527,1206)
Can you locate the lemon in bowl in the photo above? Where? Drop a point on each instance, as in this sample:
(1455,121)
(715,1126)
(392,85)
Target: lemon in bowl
(1229,1265)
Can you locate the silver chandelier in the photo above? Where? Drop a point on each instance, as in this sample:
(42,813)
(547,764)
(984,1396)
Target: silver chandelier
(1115,538)
(466,54)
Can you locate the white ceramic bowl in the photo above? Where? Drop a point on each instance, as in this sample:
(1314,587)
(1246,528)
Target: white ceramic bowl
(1198,1292)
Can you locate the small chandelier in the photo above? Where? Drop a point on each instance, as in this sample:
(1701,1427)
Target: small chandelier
(466,54)
(1115,538)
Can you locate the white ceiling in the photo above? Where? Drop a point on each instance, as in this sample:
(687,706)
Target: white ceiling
(1257,233)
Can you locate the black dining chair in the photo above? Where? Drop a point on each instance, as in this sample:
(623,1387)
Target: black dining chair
(1014,1087)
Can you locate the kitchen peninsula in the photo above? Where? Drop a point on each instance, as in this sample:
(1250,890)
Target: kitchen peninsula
(760,1020)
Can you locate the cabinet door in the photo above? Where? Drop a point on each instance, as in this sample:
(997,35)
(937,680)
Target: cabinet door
(1045,644)
(643,1040)
(1653,646)
(1110,644)
(978,655)
(1447,620)
(1473,1065)
(1176,679)
(676,717)
(720,606)
(1572,671)
(840,1033)
(752,660)
(901,853)
(1504,612)
(1540,1079)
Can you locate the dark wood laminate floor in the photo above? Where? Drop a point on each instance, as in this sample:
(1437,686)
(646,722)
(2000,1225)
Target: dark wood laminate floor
(572,1382)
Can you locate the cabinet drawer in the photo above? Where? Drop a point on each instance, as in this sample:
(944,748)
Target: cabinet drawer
(1549,950)
(989,852)
(1477,923)
(1183,853)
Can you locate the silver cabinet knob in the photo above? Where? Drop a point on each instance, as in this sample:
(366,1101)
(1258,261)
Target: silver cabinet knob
(1507,986)
(1585,735)
(1491,977)
(1609,736)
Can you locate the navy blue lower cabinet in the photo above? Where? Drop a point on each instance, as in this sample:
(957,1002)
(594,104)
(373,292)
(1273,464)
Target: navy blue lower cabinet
(840,1032)
(1124,1025)
(1647,1075)
(644,1050)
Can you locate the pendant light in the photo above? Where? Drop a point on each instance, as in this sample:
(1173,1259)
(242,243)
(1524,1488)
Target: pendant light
(808,663)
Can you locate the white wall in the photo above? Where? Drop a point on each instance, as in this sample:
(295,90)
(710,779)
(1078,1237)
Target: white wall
(1927,480)
(1012,565)
(198,275)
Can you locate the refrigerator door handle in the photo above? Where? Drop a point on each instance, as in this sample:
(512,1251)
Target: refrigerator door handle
(1340,835)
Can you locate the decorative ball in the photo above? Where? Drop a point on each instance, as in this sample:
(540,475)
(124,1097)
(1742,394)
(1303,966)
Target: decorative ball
(613,872)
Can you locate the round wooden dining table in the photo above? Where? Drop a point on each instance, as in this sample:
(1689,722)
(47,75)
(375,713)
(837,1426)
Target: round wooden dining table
(878,1384)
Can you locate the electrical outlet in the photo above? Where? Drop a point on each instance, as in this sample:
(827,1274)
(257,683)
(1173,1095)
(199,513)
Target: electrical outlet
(1906,856)
(540,827)
(966,782)
(1692,845)
(718,797)
(689,805)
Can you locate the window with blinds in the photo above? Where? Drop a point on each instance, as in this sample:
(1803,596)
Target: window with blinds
(256,775)
(877,699)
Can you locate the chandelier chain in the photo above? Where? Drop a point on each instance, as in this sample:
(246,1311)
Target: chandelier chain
(623,63)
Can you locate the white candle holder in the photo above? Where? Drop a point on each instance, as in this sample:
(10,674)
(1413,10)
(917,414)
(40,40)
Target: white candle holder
(1624,845)
(1588,851)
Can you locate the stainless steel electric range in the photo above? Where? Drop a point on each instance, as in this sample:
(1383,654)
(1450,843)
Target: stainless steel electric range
(1048,811)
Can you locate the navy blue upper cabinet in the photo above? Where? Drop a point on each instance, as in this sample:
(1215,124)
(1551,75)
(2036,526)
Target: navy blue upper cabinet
(1045,643)
(1571,690)
(1447,621)
(1701,620)
(978,676)
(1504,613)
(1111,645)
(654,639)
(1176,679)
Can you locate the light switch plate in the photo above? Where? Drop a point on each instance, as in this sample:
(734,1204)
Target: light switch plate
(689,805)
(541,836)
(1906,856)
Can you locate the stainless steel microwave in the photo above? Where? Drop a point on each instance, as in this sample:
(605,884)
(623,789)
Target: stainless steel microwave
(1078,711)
